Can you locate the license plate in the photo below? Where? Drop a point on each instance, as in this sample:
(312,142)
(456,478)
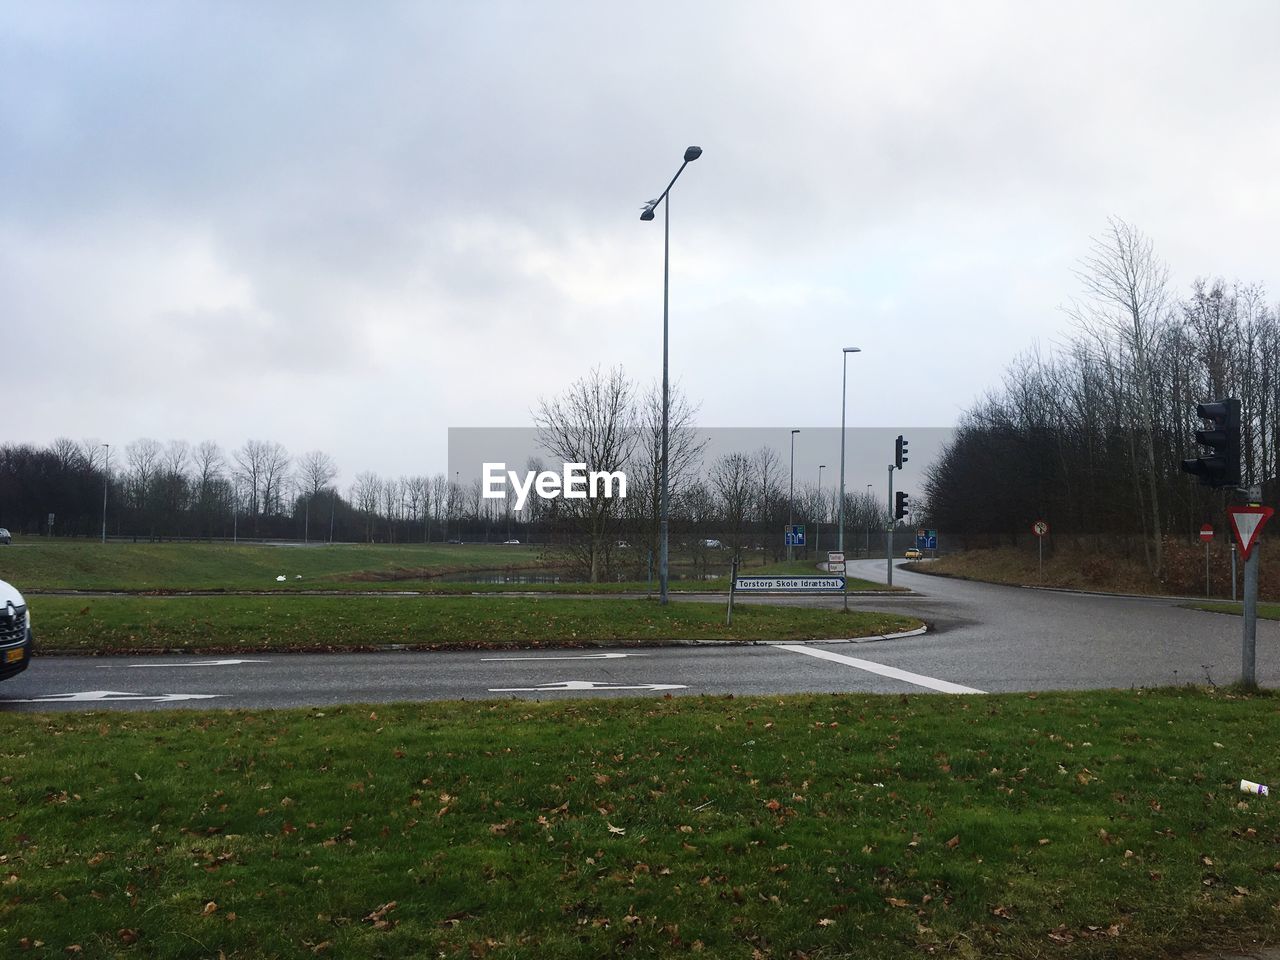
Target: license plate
(13,656)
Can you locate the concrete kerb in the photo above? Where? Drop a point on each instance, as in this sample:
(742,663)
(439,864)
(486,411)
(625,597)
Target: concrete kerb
(876,638)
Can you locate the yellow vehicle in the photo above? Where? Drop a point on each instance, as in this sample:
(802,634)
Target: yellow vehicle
(913,554)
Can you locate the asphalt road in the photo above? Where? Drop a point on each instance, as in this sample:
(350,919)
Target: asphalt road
(982,638)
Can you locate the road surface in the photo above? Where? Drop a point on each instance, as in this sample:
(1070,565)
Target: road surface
(983,639)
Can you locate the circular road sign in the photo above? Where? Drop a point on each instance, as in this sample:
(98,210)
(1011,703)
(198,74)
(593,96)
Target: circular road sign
(1040,528)
(1206,533)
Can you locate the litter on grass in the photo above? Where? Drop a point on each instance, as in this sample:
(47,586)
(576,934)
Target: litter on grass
(1248,786)
(281,578)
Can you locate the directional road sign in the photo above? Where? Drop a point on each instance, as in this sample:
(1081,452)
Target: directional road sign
(790,584)
(795,535)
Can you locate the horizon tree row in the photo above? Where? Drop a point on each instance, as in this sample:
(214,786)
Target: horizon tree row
(1090,436)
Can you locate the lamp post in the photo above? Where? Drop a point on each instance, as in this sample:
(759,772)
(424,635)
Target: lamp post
(791,494)
(817,526)
(691,154)
(106,472)
(870,500)
(844,379)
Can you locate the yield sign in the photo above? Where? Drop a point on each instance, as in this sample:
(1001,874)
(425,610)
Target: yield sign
(1247,522)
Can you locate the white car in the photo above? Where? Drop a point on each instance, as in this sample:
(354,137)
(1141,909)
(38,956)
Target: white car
(5,535)
(15,632)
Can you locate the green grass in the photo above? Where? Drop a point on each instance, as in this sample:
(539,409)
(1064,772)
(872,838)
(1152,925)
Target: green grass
(50,565)
(1266,611)
(244,623)
(1080,825)
(82,565)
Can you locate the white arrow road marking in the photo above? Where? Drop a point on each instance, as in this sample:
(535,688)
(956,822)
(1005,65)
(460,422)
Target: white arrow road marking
(942,686)
(193,663)
(587,656)
(587,685)
(93,696)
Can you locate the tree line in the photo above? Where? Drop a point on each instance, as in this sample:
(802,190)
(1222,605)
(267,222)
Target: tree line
(1090,436)
(738,502)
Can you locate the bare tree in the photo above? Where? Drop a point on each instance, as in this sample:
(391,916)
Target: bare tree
(439,504)
(1127,284)
(316,470)
(275,477)
(592,423)
(731,477)
(207,467)
(366,496)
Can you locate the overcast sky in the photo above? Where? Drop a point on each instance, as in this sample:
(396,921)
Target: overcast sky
(352,226)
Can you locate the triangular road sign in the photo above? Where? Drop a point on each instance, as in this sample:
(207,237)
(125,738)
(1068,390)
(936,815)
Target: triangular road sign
(1247,524)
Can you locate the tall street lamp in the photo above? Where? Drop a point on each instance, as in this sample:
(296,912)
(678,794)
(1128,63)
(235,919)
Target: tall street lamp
(691,154)
(871,499)
(817,527)
(106,472)
(791,495)
(844,380)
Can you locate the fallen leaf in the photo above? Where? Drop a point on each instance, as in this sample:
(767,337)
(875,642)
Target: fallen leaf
(617,830)
(895,902)
(210,907)
(953,842)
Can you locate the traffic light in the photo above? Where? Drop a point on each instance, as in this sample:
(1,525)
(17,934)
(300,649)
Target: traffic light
(900,509)
(1221,467)
(900,457)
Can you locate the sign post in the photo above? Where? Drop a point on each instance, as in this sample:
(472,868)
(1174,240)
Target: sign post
(733,580)
(835,564)
(1040,528)
(1206,534)
(1247,523)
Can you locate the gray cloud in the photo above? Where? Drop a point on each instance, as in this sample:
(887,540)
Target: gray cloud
(350,228)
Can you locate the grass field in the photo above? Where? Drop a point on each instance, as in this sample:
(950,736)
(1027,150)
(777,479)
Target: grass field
(36,566)
(85,565)
(247,623)
(1082,825)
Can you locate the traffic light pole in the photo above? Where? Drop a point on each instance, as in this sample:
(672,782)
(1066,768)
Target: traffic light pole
(889,533)
(1248,650)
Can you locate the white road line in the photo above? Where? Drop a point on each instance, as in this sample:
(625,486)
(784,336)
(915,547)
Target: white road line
(942,686)
(589,656)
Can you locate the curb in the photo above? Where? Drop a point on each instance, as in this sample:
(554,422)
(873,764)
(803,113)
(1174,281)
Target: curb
(875,638)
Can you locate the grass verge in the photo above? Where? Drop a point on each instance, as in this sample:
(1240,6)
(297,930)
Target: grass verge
(249,623)
(1266,611)
(1074,825)
(165,568)
(152,567)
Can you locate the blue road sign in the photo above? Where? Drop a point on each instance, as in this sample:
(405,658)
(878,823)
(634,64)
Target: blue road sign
(795,535)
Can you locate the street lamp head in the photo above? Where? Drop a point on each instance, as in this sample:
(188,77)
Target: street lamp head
(693,153)
(648,210)
(795,432)
(852,349)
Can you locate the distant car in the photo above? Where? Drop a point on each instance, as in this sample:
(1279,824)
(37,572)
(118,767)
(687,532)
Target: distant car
(714,544)
(913,554)
(455,541)
(510,541)
(15,632)
(5,536)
